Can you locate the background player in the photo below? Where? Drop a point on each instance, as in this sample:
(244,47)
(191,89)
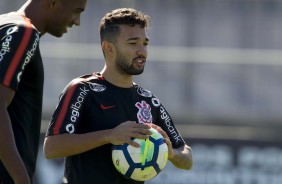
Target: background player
(21,80)
(105,108)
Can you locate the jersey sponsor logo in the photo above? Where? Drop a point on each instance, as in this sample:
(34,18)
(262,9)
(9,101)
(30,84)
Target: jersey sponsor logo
(144,114)
(70,128)
(97,87)
(104,107)
(168,123)
(29,54)
(75,108)
(156,102)
(144,92)
(77,105)
(5,47)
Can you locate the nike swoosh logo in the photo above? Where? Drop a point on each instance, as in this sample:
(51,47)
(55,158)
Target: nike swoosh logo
(104,107)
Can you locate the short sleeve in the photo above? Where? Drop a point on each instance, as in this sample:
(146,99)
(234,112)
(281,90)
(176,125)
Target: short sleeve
(18,44)
(68,112)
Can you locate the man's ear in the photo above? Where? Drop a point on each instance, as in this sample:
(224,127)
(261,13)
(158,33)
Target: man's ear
(108,48)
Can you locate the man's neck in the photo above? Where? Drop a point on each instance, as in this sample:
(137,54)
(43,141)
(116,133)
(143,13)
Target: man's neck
(117,79)
(31,9)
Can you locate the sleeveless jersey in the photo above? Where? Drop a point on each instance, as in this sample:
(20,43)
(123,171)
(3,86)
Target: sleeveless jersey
(21,69)
(90,103)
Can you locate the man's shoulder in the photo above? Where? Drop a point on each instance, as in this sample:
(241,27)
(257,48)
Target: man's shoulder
(89,81)
(10,18)
(15,19)
(143,92)
(88,78)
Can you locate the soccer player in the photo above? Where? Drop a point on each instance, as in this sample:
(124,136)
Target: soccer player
(106,108)
(21,80)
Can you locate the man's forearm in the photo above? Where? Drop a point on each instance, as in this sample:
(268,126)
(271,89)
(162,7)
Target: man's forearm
(183,158)
(8,151)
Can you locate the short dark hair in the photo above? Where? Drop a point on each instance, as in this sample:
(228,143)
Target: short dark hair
(109,25)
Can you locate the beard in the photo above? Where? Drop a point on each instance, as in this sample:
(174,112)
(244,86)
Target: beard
(127,67)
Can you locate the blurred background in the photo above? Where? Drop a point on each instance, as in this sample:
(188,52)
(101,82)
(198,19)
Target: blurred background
(217,67)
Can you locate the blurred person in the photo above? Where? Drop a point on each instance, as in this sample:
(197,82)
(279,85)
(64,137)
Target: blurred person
(21,80)
(106,108)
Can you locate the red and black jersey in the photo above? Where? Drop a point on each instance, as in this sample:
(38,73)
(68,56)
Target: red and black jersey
(90,103)
(21,69)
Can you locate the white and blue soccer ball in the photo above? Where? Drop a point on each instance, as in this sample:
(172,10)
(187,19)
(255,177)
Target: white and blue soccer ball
(143,163)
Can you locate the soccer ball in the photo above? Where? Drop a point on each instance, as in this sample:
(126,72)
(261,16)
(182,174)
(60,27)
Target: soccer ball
(143,163)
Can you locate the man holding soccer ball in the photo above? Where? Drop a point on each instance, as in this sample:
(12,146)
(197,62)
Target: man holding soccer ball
(107,108)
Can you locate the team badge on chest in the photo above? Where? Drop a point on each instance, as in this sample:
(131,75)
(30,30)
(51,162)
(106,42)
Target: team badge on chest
(144,114)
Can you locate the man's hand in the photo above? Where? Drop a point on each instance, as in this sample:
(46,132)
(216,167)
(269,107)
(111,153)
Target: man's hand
(171,151)
(180,157)
(127,130)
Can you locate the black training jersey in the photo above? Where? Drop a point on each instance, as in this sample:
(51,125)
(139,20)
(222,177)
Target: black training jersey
(90,103)
(21,69)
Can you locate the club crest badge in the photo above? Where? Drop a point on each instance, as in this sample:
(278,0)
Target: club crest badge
(144,114)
